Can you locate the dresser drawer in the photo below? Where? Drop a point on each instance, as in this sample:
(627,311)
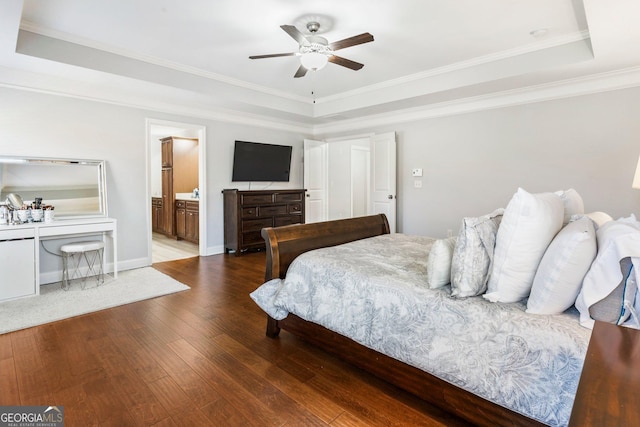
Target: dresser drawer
(252,238)
(251,212)
(256,199)
(272,210)
(256,224)
(294,208)
(287,220)
(181,204)
(288,197)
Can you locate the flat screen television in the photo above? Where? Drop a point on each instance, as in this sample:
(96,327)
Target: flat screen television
(253,161)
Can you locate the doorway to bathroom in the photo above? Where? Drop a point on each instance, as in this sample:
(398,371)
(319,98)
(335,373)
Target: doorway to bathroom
(177,190)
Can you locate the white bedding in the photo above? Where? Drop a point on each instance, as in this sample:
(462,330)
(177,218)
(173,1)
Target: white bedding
(375,292)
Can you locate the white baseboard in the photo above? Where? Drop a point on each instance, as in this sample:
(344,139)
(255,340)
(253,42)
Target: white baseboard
(56,276)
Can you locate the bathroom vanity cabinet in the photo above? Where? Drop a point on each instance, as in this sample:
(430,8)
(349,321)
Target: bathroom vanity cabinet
(157,222)
(187,220)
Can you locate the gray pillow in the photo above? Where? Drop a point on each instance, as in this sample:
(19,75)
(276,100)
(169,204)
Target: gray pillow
(612,308)
(473,254)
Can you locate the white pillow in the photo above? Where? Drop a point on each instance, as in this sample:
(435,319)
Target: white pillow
(563,267)
(529,224)
(600,218)
(617,240)
(439,262)
(573,204)
(473,254)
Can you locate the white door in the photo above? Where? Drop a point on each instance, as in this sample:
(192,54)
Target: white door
(360,180)
(383,176)
(315,180)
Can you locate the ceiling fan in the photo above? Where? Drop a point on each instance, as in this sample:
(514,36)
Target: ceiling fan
(315,51)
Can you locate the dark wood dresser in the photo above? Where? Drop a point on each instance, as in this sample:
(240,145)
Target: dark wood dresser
(248,212)
(608,393)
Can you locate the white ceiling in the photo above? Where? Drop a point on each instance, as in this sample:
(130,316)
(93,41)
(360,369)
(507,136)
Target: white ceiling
(195,52)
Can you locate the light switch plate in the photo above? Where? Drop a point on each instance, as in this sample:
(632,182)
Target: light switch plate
(416,172)
(417,183)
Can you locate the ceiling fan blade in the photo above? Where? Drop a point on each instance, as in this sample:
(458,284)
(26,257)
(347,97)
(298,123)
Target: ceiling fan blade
(295,34)
(273,55)
(301,72)
(338,60)
(351,41)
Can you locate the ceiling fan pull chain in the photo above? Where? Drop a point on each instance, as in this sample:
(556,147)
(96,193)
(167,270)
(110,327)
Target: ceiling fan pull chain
(313,85)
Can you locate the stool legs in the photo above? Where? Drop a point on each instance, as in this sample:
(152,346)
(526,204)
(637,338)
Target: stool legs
(73,264)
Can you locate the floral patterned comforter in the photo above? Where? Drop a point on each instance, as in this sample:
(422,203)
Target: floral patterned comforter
(374,292)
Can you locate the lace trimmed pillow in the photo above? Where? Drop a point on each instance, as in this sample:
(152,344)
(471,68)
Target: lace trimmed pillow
(473,254)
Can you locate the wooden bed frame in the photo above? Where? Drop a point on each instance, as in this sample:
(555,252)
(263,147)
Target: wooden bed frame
(283,244)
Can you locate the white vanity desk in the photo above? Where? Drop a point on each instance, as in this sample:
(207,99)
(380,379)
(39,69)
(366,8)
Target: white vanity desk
(20,250)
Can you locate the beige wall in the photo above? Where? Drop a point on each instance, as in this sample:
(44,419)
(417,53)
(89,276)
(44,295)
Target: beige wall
(40,125)
(473,163)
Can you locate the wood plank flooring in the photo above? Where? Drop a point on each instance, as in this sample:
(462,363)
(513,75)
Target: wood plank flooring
(196,358)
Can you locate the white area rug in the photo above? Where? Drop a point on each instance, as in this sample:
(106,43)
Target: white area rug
(54,303)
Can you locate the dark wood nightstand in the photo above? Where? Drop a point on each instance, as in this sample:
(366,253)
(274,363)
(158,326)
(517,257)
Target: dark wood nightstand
(609,389)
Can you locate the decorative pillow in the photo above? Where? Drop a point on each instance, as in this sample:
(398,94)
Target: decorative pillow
(566,261)
(600,218)
(473,254)
(439,262)
(529,224)
(573,204)
(609,282)
(615,307)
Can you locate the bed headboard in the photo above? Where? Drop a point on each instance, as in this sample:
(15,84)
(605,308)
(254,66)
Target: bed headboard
(285,243)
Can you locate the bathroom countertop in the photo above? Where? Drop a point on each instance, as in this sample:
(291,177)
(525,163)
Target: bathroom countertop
(186,196)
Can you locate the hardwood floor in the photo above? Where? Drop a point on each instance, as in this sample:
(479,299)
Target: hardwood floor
(196,358)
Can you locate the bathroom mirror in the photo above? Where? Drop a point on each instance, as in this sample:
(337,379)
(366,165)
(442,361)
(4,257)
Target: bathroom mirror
(75,188)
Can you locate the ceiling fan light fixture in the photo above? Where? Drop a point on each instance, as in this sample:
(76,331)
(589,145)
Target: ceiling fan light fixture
(313,60)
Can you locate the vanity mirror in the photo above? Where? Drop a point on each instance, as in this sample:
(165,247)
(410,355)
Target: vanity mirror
(76,188)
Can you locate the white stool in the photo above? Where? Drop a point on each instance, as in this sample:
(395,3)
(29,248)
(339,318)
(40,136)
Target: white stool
(81,260)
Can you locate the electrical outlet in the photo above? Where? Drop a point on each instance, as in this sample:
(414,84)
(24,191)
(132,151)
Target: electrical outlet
(416,172)
(417,183)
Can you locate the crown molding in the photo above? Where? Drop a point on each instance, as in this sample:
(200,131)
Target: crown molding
(586,85)
(235,117)
(603,82)
(34,28)
(463,65)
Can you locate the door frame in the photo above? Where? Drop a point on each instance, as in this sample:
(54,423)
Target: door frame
(373,137)
(311,192)
(202,178)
